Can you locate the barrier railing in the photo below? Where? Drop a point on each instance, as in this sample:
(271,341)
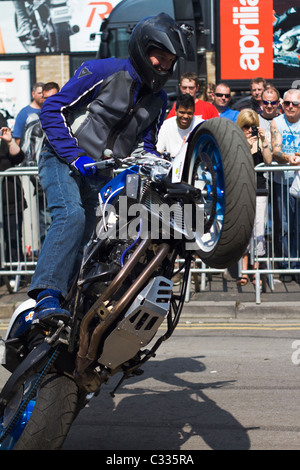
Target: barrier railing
(265,267)
(20,206)
(22,232)
(281,238)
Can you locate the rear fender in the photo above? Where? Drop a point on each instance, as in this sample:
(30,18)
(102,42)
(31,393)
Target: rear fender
(21,319)
(33,363)
(19,326)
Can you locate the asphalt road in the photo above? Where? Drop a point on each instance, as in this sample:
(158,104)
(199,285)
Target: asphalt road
(212,386)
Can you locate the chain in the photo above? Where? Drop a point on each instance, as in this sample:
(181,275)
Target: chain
(29,395)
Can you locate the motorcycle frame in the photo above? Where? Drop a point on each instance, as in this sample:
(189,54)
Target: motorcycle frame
(87,354)
(22,318)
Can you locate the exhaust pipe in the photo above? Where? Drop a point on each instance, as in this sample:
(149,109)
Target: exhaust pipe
(88,350)
(112,288)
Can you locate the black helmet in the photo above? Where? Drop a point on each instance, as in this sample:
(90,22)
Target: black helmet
(164,33)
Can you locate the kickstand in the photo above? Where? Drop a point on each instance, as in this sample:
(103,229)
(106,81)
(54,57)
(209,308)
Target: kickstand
(126,375)
(112,394)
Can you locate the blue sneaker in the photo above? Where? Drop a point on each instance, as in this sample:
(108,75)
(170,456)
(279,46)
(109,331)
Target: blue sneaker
(48,307)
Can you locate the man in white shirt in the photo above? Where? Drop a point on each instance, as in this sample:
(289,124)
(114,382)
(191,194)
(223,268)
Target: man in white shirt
(175,130)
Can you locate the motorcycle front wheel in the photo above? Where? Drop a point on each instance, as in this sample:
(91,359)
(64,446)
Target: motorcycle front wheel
(219,162)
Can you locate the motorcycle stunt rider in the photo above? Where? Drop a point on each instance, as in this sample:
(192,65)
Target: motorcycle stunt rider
(116,104)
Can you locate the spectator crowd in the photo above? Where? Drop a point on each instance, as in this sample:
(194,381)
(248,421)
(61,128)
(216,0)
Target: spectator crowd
(271,125)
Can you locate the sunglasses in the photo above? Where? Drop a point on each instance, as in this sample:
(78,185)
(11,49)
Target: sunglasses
(270,102)
(219,95)
(294,103)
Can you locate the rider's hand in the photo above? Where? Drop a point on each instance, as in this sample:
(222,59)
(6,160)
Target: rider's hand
(79,165)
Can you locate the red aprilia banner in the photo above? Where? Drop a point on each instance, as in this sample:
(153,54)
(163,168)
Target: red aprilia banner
(246,39)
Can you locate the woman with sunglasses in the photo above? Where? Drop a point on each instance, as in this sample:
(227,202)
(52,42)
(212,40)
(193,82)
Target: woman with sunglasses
(248,121)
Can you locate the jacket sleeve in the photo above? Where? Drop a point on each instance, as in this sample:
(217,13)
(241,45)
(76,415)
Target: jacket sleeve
(78,92)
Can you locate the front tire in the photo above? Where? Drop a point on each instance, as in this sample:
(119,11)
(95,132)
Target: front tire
(219,162)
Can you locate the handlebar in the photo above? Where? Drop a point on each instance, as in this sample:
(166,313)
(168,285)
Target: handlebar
(147,161)
(103,164)
(157,169)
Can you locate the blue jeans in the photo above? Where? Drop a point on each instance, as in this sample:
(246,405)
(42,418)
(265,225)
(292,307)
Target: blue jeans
(72,201)
(288,219)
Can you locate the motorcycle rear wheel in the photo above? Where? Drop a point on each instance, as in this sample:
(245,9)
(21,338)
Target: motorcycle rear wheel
(55,409)
(219,162)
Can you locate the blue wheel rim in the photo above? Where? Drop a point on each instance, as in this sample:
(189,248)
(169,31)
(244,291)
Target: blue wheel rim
(210,178)
(9,442)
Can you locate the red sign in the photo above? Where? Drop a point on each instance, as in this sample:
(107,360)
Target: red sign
(108,8)
(246,39)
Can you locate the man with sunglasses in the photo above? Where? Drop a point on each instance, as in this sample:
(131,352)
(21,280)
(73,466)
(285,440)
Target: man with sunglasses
(285,141)
(270,109)
(222,98)
(285,130)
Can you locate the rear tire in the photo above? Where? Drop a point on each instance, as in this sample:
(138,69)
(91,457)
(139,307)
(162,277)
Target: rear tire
(219,160)
(52,416)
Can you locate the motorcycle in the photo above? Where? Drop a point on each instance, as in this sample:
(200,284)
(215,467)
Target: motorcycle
(50,27)
(287,48)
(123,302)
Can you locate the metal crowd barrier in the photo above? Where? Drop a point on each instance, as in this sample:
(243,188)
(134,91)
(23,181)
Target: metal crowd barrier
(20,206)
(269,265)
(263,267)
(21,237)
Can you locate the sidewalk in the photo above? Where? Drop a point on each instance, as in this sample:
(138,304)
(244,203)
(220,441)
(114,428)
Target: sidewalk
(10,301)
(222,299)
